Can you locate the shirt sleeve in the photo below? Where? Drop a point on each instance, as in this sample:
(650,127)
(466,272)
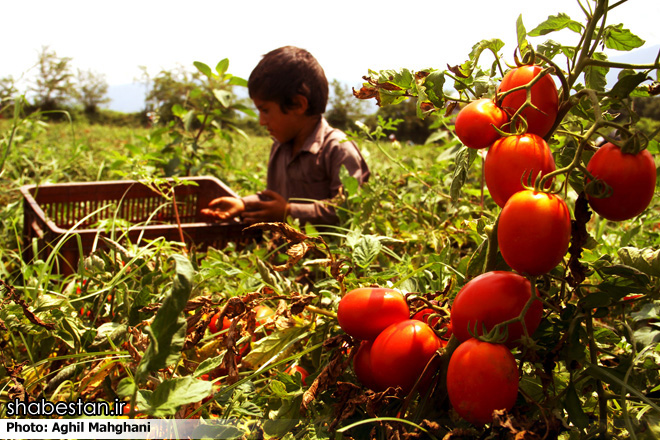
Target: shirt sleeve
(316,212)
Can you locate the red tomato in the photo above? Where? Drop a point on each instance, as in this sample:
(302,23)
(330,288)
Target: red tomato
(491,298)
(474,123)
(362,366)
(512,159)
(534,231)
(365,312)
(400,353)
(544,98)
(213,325)
(632,178)
(481,378)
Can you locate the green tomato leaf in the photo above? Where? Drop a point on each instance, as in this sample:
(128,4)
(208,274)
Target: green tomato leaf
(595,76)
(208,365)
(222,67)
(172,394)
(206,70)
(573,407)
(178,110)
(464,159)
(401,79)
(237,81)
(273,346)
(521,33)
(627,84)
(556,23)
(434,84)
(645,260)
(366,250)
(494,45)
(647,335)
(168,330)
(618,38)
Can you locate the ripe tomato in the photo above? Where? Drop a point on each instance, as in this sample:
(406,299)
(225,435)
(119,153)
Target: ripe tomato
(491,298)
(481,378)
(474,123)
(510,159)
(362,366)
(543,94)
(534,231)
(365,312)
(400,353)
(632,178)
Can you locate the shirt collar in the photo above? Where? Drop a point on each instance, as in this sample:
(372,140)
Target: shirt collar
(314,142)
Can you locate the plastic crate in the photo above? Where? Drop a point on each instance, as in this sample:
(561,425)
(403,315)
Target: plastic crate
(55,214)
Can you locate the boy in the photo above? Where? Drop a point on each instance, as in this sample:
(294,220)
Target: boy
(290,91)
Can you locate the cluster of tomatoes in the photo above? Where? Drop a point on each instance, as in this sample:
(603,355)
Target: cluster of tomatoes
(533,230)
(483,376)
(534,227)
(394,349)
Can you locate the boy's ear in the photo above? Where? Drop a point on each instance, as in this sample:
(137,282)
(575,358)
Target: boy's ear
(300,104)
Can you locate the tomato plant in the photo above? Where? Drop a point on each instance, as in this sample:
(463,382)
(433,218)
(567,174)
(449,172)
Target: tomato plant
(401,352)
(541,114)
(512,160)
(474,123)
(365,312)
(493,298)
(534,231)
(481,377)
(630,177)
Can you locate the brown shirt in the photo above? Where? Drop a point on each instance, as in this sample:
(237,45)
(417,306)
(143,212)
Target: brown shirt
(312,175)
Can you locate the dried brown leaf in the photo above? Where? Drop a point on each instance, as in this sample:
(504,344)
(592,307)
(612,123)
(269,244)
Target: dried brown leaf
(29,314)
(326,379)
(299,302)
(292,235)
(366,93)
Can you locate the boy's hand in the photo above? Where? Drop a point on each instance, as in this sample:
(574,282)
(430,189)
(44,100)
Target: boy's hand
(224,208)
(273,210)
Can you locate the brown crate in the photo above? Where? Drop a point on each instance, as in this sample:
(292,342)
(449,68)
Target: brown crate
(69,210)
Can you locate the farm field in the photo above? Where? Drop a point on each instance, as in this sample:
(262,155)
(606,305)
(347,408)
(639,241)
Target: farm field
(489,283)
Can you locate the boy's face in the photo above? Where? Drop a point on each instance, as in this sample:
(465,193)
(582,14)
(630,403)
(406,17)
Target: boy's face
(281,126)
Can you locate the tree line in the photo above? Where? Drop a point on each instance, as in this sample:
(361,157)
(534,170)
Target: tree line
(57,87)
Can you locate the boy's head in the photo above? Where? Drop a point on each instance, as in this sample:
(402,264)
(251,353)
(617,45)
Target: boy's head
(286,72)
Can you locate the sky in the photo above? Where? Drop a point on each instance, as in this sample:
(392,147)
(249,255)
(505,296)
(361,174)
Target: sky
(347,37)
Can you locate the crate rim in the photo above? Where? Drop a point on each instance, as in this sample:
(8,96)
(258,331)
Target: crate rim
(25,191)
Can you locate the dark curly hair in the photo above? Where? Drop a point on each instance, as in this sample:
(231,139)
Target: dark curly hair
(286,72)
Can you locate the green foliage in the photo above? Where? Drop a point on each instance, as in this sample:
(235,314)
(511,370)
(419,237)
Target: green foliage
(191,110)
